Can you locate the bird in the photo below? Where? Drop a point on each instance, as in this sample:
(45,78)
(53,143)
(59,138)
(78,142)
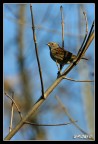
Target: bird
(60,55)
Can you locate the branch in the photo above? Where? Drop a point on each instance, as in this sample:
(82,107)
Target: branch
(15,105)
(77,80)
(87,43)
(36,50)
(70,118)
(85,33)
(35,124)
(12,109)
(62,22)
(80,55)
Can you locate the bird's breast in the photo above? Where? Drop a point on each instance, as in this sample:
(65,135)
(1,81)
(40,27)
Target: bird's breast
(57,55)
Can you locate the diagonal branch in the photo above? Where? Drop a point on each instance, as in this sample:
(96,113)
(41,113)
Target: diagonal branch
(12,110)
(36,50)
(70,118)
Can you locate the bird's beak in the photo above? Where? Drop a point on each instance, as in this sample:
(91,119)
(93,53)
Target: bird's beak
(47,44)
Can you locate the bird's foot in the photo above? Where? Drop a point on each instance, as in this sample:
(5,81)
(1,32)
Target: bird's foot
(59,74)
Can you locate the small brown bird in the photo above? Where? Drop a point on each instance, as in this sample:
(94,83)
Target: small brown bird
(60,55)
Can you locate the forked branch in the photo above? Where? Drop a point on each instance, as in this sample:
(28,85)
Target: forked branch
(14,104)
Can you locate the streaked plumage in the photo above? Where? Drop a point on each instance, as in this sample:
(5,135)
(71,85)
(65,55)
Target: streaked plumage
(60,55)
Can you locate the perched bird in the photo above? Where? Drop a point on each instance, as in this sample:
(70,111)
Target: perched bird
(60,55)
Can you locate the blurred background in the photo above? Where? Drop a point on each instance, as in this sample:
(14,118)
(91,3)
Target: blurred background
(21,74)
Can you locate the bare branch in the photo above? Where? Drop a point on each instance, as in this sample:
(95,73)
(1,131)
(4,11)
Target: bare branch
(36,50)
(35,124)
(90,37)
(12,109)
(86,22)
(76,80)
(88,42)
(85,33)
(70,118)
(80,55)
(62,22)
(15,105)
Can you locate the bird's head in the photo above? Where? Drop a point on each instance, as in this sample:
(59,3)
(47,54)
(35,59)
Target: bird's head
(53,45)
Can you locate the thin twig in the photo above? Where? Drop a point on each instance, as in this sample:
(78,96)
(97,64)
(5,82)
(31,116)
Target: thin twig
(15,105)
(70,118)
(90,33)
(12,110)
(35,124)
(36,50)
(85,33)
(77,80)
(62,22)
(87,43)
(86,21)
